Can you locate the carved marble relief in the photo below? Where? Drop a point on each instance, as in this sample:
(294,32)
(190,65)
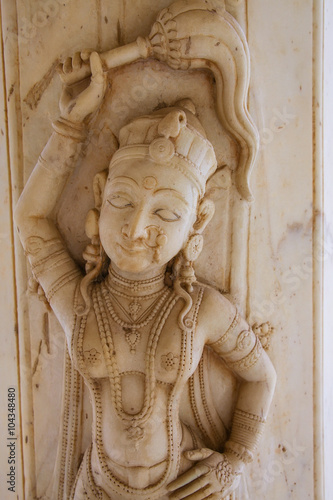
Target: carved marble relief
(134,242)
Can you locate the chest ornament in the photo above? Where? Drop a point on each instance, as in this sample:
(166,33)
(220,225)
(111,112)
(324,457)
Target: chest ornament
(104,311)
(92,357)
(169,361)
(134,320)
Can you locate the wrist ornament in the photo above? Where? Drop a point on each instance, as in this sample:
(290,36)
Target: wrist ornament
(239,452)
(67,128)
(246,432)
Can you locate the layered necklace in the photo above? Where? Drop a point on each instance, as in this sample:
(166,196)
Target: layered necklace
(137,318)
(158,312)
(135,286)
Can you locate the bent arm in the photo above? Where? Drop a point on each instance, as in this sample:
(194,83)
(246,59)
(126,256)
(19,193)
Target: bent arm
(44,187)
(233,339)
(217,474)
(51,264)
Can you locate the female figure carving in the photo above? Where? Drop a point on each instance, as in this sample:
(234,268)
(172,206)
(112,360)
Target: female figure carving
(137,334)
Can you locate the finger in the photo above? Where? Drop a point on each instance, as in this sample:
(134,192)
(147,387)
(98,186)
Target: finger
(93,95)
(77,61)
(199,454)
(96,68)
(67,66)
(190,488)
(216,496)
(188,477)
(201,494)
(60,68)
(85,54)
(228,488)
(89,100)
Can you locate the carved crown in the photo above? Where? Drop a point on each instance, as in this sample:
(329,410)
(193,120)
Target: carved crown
(172,136)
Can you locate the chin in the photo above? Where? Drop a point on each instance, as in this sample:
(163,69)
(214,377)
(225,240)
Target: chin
(132,265)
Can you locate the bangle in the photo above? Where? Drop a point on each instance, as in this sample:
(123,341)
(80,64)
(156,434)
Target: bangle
(247,429)
(239,451)
(76,131)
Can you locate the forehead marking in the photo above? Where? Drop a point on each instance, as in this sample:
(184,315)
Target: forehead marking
(149,182)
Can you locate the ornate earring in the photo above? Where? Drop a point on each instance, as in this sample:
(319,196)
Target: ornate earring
(93,255)
(184,277)
(191,252)
(92,252)
(193,247)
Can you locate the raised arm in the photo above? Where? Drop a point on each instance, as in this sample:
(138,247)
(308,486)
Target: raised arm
(50,261)
(229,335)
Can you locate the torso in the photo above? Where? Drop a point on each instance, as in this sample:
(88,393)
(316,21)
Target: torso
(147,391)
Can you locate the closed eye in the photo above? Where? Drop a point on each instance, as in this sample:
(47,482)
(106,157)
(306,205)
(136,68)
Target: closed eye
(167,215)
(120,202)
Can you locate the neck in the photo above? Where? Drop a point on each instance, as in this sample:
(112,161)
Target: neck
(136,283)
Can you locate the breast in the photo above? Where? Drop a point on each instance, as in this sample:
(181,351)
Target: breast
(168,354)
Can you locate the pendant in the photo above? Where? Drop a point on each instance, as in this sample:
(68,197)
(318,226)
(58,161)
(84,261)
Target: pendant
(132,337)
(134,309)
(135,433)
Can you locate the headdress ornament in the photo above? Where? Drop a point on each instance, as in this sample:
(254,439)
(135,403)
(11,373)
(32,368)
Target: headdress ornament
(172,136)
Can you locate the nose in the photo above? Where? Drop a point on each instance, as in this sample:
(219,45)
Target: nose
(136,227)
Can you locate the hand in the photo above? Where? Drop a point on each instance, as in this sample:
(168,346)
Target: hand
(77,108)
(216,476)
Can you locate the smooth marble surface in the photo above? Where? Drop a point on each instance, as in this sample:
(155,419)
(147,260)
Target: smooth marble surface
(328,250)
(9,352)
(281,233)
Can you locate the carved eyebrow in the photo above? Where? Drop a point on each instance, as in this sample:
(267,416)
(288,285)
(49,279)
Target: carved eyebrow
(174,192)
(123,179)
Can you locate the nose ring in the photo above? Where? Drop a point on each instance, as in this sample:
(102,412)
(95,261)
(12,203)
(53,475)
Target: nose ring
(161,240)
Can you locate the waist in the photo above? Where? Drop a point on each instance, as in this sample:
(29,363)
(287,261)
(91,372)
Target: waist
(134,476)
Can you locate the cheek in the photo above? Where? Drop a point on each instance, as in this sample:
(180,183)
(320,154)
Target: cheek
(109,226)
(110,219)
(176,238)
(103,225)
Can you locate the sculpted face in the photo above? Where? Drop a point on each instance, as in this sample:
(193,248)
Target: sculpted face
(147,213)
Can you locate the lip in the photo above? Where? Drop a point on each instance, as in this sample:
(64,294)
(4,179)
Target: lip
(133,248)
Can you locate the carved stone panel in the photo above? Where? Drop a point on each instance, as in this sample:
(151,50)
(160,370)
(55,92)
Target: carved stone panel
(166,250)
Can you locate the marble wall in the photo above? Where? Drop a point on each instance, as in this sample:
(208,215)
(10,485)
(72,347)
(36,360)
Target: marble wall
(328,238)
(286,243)
(282,236)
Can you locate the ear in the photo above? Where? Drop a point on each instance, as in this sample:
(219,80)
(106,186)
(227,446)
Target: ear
(206,210)
(98,187)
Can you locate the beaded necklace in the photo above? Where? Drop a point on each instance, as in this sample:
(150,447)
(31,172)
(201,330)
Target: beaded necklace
(135,285)
(131,328)
(135,304)
(114,484)
(135,423)
(149,296)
